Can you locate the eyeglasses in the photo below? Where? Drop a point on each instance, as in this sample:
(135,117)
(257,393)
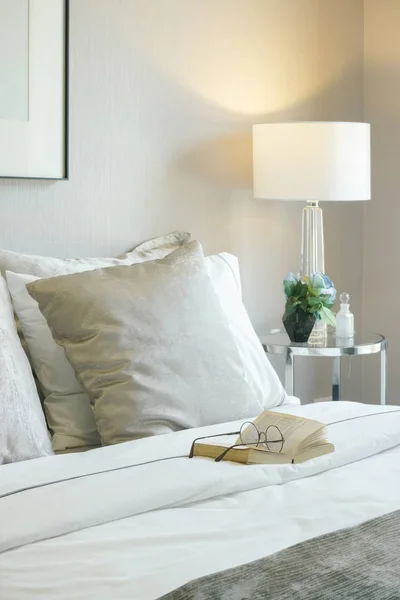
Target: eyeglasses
(249,435)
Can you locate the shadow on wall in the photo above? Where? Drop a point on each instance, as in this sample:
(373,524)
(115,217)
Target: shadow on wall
(247,58)
(382,215)
(226,160)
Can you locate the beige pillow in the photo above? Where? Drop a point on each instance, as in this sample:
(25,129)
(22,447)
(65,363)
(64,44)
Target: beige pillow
(67,405)
(69,415)
(152,346)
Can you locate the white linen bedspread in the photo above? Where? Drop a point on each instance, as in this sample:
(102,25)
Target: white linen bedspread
(184,518)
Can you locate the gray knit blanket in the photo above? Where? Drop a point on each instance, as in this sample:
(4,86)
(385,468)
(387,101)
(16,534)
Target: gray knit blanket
(360,563)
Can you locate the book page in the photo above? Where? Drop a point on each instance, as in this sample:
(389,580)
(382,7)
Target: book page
(293,429)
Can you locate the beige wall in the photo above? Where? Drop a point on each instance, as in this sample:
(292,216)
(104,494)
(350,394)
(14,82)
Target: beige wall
(382,215)
(163,96)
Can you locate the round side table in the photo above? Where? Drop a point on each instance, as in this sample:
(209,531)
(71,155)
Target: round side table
(361,344)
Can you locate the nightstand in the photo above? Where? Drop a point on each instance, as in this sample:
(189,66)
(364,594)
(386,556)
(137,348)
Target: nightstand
(361,344)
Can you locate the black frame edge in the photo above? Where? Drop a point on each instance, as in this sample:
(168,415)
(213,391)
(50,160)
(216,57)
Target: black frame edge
(66,112)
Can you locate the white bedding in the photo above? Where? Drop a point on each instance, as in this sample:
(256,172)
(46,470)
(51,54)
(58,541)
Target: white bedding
(184,518)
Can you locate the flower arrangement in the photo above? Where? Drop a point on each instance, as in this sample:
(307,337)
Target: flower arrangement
(307,299)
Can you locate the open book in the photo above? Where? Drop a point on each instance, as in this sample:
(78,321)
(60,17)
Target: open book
(283,439)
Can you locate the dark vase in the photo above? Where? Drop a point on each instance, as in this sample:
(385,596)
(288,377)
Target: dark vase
(298,325)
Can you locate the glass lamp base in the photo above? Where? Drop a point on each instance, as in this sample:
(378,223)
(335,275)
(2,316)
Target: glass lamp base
(312,256)
(312,241)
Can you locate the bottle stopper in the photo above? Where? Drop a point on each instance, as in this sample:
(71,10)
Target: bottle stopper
(344,298)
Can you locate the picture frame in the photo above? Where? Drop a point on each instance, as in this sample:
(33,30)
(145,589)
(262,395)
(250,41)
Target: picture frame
(34,73)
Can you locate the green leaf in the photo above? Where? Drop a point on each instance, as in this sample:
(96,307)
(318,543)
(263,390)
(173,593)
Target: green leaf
(326,300)
(298,289)
(315,302)
(327,316)
(288,287)
(303,291)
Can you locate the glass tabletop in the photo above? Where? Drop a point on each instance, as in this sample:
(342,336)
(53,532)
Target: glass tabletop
(362,343)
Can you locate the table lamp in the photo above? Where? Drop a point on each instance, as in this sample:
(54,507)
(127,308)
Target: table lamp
(312,162)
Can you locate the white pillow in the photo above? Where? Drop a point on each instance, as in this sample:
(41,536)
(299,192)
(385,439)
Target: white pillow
(23,431)
(67,406)
(156,349)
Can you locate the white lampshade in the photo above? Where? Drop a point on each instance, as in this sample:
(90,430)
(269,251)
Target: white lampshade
(312,161)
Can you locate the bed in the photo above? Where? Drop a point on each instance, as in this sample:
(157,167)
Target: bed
(144,373)
(144,531)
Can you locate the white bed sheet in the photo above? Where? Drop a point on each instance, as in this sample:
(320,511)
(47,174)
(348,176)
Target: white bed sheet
(147,555)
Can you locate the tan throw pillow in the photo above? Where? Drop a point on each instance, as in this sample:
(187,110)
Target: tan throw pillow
(152,346)
(68,411)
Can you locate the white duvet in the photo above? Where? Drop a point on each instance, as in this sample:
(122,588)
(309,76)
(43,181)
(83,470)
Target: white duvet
(94,525)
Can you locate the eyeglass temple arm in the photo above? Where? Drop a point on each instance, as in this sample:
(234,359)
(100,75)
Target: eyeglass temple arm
(205,437)
(225,452)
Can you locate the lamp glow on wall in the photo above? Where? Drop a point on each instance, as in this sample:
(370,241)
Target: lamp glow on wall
(312,162)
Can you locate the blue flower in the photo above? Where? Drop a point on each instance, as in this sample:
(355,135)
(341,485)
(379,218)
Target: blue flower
(331,292)
(324,285)
(327,280)
(292,278)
